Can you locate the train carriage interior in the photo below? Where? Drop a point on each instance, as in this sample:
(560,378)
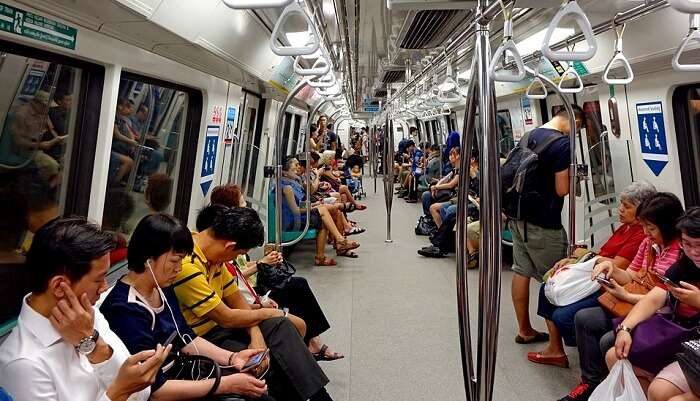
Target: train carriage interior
(466,191)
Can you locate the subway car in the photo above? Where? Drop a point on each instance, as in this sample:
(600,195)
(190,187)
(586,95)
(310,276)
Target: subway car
(363,113)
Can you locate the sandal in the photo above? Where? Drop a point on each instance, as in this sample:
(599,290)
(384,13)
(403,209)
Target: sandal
(345,245)
(348,254)
(321,355)
(348,207)
(326,261)
(360,206)
(355,230)
(537,338)
(559,361)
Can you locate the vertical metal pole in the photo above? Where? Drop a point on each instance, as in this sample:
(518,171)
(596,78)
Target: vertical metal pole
(469,132)
(279,157)
(388,173)
(376,156)
(490,254)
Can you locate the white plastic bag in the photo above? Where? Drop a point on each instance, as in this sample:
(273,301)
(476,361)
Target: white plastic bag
(571,283)
(620,385)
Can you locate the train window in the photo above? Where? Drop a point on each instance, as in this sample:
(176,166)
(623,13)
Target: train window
(144,165)
(505,131)
(48,132)
(296,134)
(286,129)
(686,111)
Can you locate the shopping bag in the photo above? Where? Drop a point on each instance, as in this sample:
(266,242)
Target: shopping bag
(571,283)
(620,385)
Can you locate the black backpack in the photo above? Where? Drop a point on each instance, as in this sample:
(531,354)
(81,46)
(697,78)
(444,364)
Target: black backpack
(521,186)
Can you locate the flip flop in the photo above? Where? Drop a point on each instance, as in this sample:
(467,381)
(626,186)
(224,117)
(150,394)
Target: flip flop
(559,361)
(321,355)
(537,338)
(348,254)
(355,230)
(360,206)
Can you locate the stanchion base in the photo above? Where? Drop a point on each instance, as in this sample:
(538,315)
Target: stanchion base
(388,241)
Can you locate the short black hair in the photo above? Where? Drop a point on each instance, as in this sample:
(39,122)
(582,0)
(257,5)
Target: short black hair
(434,147)
(689,223)
(207,215)
(117,209)
(315,156)
(122,101)
(662,210)
(65,246)
(240,225)
(155,235)
(578,112)
(60,95)
(409,143)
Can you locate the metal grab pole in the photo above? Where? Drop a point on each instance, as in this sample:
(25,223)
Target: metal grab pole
(388,173)
(278,172)
(490,255)
(469,132)
(376,156)
(572,154)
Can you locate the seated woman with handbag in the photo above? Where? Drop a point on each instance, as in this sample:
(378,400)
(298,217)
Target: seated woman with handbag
(619,249)
(285,290)
(143,311)
(651,334)
(593,326)
(294,206)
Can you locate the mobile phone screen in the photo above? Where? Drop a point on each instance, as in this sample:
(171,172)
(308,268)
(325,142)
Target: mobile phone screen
(254,361)
(170,339)
(604,281)
(668,282)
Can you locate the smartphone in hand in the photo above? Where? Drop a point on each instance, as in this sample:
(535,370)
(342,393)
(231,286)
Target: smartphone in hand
(255,361)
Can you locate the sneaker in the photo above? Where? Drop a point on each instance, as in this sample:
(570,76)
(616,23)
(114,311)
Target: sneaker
(431,252)
(581,393)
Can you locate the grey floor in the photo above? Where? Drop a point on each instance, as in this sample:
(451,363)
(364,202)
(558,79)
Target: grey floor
(393,314)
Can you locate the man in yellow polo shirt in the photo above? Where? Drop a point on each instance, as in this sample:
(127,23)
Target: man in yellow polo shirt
(217,311)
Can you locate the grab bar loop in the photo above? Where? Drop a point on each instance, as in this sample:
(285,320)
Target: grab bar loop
(573,10)
(569,74)
(686,6)
(312,44)
(537,83)
(320,67)
(508,45)
(325,81)
(255,4)
(693,35)
(619,56)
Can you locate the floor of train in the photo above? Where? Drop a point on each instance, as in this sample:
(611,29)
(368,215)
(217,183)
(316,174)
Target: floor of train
(394,316)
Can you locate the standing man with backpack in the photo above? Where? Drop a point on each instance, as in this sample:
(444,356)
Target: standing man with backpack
(535,180)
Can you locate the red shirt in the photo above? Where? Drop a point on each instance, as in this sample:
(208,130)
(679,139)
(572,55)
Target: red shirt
(624,242)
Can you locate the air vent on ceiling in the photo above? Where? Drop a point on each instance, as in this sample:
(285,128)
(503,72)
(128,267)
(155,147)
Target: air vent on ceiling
(380,93)
(429,28)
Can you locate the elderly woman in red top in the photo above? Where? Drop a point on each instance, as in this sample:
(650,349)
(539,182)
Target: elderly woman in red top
(620,249)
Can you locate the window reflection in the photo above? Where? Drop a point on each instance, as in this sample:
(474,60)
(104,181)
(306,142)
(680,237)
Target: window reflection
(144,163)
(37,118)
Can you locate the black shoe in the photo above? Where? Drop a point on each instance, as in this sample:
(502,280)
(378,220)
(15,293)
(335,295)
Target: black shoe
(431,252)
(581,393)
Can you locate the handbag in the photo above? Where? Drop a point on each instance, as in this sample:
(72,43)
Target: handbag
(657,340)
(274,277)
(689,360)
(639,285)
(179,366)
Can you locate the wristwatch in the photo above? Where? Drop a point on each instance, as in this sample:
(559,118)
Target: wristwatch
(88,344)
(621,327)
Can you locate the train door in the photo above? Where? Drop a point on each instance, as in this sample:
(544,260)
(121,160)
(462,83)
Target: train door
(250,143)
(686,112)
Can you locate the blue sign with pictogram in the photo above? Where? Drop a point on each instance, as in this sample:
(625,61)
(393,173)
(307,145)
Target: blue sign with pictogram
(652,135)
(211,143)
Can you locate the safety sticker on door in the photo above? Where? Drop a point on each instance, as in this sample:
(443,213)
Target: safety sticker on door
(652,135)
(211,142)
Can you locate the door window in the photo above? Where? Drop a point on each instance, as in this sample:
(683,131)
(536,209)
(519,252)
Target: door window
(144,161)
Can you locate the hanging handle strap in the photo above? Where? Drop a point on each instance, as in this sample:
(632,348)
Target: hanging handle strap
(320,67)
(255,4)
(312,44)
(508,45)
(618,57)
(573,10)
(570,73)
(693,35)
(537,83)
(325,81)
(686,6)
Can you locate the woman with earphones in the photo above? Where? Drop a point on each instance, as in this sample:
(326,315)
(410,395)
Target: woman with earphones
(143,311)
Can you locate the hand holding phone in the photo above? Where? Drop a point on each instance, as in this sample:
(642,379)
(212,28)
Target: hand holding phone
(255,361)
(668,281)
(604,281)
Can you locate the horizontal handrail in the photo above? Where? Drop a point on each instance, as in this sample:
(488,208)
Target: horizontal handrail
(255,4)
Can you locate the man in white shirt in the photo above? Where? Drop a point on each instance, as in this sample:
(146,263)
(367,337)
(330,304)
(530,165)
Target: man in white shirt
(62,349)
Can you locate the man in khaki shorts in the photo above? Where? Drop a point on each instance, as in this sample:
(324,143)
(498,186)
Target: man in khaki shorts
(539,239)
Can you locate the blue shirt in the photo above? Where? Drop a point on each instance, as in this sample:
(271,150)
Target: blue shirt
(290,220)
(417,156)
(4,396)
(140,326)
